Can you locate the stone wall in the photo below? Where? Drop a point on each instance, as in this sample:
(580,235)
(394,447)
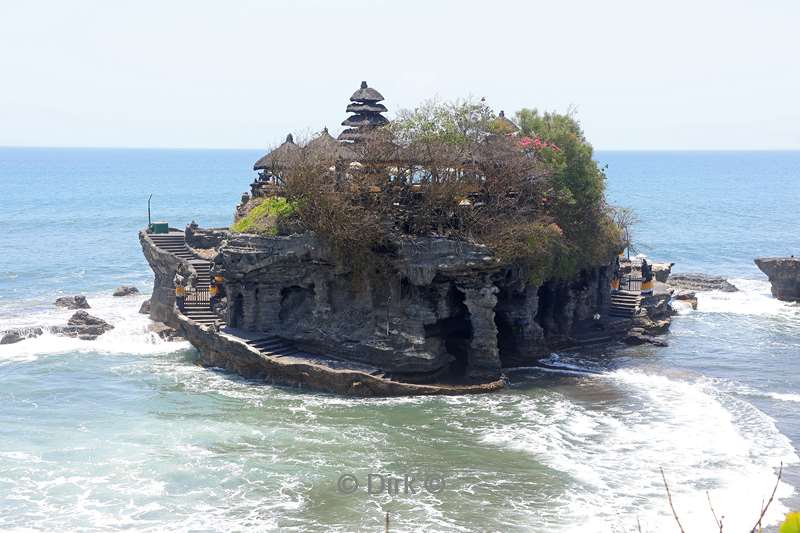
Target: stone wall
(164,266)
(435,307)
(197,237)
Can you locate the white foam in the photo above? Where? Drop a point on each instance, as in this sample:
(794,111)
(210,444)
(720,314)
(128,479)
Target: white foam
(131,333)
(784,397)
(752,298)
(705,440)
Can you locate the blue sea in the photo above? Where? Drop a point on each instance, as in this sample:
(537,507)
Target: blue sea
(127,433)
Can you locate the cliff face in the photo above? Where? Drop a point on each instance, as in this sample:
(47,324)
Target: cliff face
(784,276)
(437,308)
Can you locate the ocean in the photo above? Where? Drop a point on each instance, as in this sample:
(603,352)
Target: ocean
(126,432)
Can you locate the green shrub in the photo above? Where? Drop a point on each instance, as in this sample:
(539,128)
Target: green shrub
(266,217)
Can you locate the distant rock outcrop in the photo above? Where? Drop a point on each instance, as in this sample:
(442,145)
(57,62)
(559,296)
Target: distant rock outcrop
(73,302)
(125,290)
(701,282)
(784,276)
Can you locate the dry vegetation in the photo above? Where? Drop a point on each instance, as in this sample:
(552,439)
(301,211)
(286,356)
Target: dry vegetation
(456,170)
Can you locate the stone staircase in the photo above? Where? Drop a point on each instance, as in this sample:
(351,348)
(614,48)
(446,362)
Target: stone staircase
(273,346)
(624,304)
(197,306)
(277,347)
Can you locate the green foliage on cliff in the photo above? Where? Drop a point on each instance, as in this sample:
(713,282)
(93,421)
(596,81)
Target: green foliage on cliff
(266,217)
(578,203)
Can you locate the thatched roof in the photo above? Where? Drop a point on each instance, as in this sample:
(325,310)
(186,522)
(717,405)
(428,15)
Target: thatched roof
(366,108)
(326,147)
(361,120)
(366,94)
(497,148)
(350,134)
(281,156)
(503,125)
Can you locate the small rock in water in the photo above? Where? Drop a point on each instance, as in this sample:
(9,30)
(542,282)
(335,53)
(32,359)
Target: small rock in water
(687,296)
(165,332)
(701,282)
(637,336)
(84,326)
(16,335)
(126,290)
(73,302)
(145,308)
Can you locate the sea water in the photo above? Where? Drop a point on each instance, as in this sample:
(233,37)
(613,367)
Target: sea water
(126,432)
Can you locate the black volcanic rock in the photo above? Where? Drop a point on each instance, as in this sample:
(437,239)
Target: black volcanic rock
(12,336)
(125,290)
(701,282)
(73,302)
(84,326)
(784,276)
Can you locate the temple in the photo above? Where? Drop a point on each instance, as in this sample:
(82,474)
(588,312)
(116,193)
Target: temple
(367,109)
(278,297)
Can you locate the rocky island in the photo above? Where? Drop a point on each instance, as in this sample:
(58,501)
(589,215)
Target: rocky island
(784,276)
(418,256)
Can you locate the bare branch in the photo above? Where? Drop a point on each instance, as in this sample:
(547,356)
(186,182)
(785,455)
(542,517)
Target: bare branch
(717,521)
(669,498)
(764,508)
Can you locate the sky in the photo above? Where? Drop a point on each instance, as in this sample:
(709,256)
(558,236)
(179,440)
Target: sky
(699,74)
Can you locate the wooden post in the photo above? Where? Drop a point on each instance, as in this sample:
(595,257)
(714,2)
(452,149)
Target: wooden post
(386,529)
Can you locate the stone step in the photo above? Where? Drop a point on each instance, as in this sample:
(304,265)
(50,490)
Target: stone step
(263,339)
(270,344)
(268,338)
(624,314)
(622,308)
(280,353)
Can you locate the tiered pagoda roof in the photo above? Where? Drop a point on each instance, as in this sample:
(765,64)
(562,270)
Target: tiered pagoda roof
(367,114)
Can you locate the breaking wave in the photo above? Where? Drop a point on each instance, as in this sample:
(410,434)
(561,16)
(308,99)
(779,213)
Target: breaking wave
(131,333)
(612,445)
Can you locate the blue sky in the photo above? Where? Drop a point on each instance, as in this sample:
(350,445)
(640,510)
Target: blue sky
(701,74)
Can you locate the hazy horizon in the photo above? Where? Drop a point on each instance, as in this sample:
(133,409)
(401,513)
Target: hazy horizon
(715,76)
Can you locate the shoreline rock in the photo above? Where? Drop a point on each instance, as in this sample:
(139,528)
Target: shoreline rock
(145,307)
(73,302)
(784,276)
(165,332)
(685,295)
(13,336)
(125,290)
(639,336)
(701,282)
(83,326)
